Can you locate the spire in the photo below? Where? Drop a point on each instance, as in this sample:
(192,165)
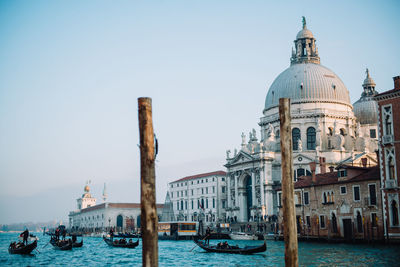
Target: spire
(104,193)
(306,49)
(368,85)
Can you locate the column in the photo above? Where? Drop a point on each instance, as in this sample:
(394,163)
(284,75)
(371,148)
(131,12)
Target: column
(253,187)
(228,187)
(262,173)
(236,191)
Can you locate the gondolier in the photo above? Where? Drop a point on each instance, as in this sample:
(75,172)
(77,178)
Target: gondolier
(208,235)
(25,235)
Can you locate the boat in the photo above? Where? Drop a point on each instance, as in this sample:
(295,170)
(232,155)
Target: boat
(24,249)
(232,249)
(62,244)
(243,236)
(77,244)
(118,245)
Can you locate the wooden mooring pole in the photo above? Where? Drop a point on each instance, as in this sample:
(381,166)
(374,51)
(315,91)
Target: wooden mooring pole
(289,212)
(149,219)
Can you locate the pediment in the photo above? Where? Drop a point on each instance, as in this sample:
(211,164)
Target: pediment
(241,157)
(301,158)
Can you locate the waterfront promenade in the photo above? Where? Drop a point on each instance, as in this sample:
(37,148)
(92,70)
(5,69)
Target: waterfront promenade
(177,253)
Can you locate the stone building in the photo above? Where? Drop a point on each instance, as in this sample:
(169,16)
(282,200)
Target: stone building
(200,197)
(324,130)
(389,156)
(92,217)
(342,204)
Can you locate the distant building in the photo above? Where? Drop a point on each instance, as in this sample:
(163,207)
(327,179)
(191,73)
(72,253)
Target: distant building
(342,204)
(389,156)
(200,197)
(90,217)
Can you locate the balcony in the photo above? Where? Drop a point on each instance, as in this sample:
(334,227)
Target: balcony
(391,183)
(387,139)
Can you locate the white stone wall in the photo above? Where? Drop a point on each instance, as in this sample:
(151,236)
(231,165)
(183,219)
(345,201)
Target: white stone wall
(208,188)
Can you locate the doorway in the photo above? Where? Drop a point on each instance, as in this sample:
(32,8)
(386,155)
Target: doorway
(347,229)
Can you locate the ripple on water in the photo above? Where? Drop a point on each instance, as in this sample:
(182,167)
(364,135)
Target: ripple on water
(179,253)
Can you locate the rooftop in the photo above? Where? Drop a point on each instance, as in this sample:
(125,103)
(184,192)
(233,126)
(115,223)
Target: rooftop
(221,173)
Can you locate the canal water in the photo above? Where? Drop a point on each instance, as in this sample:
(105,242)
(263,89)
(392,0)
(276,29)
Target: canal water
(95,252)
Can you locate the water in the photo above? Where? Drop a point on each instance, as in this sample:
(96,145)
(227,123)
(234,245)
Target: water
(177,253)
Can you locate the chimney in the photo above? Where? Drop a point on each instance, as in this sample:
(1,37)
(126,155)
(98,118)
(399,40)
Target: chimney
(396,82)
(312,167)
(331,168)
(322,164)
(364,162)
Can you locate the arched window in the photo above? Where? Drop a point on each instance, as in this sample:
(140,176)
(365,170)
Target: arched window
(342,132)
(359,222)
(325,199)
(391,167)
(388,124)
(295,138)
(311,138)
(330,131)
(395,213)
(334,223)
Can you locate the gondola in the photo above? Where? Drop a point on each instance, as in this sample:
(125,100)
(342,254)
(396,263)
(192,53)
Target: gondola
(61,245)
(127,245)
(77,244)
(232,249)
(24,249)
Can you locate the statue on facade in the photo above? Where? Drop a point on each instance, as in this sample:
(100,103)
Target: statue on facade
(235,152)
(243,138)
(227,153)
(299,145)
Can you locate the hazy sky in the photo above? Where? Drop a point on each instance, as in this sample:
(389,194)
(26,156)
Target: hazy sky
(71,73)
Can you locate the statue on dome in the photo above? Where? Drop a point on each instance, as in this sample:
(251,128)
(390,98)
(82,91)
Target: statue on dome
(243,138)
(304,22)
(254,134)
(227,153)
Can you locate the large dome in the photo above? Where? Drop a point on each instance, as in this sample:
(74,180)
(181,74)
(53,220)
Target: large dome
(307,82)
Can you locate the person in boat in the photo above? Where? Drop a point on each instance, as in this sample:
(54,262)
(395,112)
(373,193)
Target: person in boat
(73,238)
(225,245)
(25,235)
(208,234)
(64,232)
(57,233)
(111,233)
(219,245)
(13,245)
(130,241)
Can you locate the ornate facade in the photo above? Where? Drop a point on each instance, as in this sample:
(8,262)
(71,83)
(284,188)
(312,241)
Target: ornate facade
(324,130)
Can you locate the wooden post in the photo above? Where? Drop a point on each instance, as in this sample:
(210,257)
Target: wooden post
(149,219)
(289,212)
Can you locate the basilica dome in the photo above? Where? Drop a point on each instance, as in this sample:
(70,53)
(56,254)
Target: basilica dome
(307,82)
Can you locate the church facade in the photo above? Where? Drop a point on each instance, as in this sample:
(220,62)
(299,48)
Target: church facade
(326,130)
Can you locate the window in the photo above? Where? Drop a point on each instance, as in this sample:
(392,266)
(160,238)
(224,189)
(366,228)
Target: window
(306,198)
(311,138)
(394,212)
(181,184)
(391,167)
(359,222)
(192,205)
(192,182)
(279,199)
(206,190)
(213,189)
(387,115)
(177,205)
(223,204)
(372,133)
(342,132)
(308,221)
(185,183)
(192,192)
(213,179)
(223,179)
(223,189)
(295,138)
(342,173)
(213,203)
(198,204)
(372,194)
(186,205)
(207,203)
(207,180)
(202,181)
(322,221)
(374,220)
(356,193)
(198,181)
(343,190)
(172,194)
(202,191)
(181,204)
(172,186)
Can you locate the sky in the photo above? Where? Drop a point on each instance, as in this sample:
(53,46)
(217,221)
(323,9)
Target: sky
(71,73)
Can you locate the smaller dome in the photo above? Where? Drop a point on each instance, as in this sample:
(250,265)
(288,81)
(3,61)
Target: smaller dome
(366,110)
(304,33)
(368,81)
(87,188)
